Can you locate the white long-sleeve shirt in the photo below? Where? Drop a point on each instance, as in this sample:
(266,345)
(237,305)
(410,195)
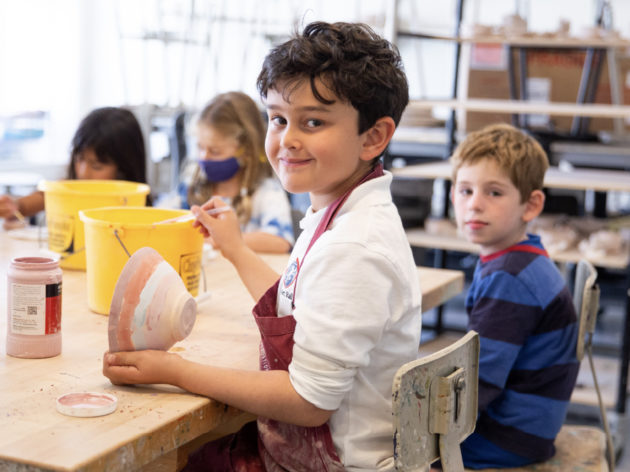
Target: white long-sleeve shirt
(357,308)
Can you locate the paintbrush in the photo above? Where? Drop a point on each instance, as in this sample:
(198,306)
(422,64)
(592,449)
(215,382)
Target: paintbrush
(20,217)
(190,216)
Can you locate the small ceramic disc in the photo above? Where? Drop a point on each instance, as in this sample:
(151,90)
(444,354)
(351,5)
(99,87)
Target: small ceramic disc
(86,404)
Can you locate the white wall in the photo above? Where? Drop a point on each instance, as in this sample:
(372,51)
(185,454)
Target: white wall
(67,57)
(40,65)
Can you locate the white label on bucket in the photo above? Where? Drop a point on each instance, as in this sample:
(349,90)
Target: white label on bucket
(60,232)
(28,310)
(189,271)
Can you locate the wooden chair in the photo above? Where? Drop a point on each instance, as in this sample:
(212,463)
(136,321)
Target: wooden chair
(580,448)
(434,404)
(586,300)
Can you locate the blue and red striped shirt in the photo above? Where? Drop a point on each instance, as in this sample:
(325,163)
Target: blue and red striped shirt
(519,304)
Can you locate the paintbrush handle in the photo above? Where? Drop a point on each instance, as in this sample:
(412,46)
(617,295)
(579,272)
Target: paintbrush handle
(217,210)
(190,216)
(20,216)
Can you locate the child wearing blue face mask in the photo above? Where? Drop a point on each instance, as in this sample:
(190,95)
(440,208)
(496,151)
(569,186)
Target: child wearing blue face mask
(232,164)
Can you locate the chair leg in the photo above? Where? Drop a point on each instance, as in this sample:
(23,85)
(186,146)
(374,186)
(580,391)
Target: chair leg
(450,453)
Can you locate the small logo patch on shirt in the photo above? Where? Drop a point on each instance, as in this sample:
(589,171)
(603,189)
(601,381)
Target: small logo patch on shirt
(291,273)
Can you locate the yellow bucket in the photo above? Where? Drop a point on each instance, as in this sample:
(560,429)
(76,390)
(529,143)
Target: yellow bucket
(113,234)
(65,198)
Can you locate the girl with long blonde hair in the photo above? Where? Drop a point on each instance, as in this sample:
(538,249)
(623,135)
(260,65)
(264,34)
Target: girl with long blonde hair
(232,164)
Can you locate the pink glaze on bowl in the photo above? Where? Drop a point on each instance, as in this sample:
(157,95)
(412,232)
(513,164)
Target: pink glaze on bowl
(151,308)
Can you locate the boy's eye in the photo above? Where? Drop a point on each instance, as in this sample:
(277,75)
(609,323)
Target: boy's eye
(465,191)
(313,123)
(278,120)
(495,193)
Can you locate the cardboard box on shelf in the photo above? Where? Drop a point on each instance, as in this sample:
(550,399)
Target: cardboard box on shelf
(553,75)
(487,78)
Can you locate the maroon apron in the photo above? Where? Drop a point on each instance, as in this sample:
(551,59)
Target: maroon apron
(280,446)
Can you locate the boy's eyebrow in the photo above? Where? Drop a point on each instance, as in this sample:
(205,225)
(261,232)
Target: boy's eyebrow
(489,182)
(307,108)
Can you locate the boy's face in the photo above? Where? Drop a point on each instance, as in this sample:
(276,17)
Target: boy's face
(314,147)
(488,206)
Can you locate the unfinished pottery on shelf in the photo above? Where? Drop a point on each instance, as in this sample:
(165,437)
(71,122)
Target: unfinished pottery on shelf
(151,308)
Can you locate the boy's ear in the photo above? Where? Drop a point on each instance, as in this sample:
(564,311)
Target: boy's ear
(377,138)
(534,205)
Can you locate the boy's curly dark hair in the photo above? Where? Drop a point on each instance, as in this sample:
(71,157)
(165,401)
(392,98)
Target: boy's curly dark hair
(353,61)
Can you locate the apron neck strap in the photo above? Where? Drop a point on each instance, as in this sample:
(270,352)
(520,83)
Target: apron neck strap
(334,207)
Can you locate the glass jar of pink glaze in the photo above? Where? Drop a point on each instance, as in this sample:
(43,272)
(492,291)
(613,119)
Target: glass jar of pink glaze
(34,307)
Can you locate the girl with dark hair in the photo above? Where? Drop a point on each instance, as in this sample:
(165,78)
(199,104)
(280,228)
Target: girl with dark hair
(108,145)
(113,138)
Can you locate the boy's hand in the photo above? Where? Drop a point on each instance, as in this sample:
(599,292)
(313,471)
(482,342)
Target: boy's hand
(141,367)
(223,228)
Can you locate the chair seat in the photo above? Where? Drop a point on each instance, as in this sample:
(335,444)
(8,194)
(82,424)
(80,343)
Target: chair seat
(578,448)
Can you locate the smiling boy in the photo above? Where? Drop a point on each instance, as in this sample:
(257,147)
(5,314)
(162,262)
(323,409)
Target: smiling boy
(518,301)
(345,315)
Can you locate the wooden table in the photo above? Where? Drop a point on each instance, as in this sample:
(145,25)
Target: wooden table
(150,421)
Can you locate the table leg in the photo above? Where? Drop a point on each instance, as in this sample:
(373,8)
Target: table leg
(439,262)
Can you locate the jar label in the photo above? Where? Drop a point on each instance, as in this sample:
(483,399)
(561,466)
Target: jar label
(35,309)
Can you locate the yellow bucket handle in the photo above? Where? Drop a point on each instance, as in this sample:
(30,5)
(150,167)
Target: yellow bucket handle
(118,233)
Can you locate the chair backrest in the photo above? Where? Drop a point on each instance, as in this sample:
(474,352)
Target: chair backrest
(586,302)
(434,404)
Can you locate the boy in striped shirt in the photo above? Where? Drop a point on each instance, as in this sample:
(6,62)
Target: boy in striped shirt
(518,301)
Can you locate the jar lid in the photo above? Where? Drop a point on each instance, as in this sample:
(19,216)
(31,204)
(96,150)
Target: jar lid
(86,404)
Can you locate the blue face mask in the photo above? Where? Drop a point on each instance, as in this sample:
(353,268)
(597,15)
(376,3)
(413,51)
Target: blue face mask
(219,171)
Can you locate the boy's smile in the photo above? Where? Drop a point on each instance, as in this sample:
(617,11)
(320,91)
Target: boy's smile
(315,147)
(488,207)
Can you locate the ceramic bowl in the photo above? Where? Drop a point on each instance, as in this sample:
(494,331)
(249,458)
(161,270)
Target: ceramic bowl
(151,308)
